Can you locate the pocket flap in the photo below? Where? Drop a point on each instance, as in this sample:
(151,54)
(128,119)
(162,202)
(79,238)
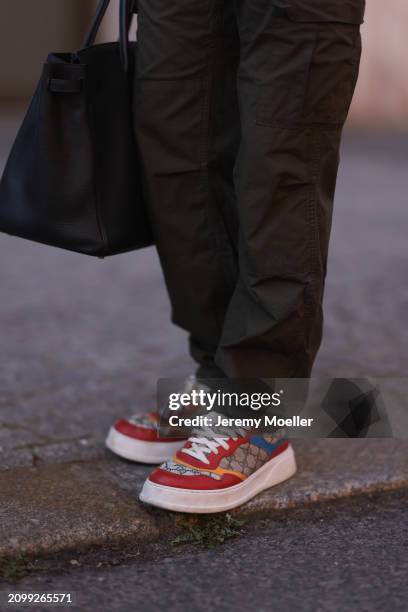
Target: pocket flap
(340,11)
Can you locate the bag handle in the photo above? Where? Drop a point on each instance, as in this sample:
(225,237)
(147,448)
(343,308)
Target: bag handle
(127,8)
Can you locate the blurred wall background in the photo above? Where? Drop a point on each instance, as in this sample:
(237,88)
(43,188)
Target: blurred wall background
(381,99)
(29,30)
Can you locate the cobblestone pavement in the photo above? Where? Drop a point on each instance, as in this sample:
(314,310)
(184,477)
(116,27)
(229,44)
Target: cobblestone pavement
(84,340)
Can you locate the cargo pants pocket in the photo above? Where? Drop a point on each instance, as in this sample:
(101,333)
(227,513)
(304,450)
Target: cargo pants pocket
(311,71)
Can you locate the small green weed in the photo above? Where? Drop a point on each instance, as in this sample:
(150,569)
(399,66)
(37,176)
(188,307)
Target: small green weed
(208,531)
(13,568)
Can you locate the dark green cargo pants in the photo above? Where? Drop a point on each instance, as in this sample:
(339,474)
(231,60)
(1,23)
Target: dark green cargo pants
(239,109)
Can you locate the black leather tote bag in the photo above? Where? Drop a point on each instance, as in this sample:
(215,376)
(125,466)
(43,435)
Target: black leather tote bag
(72,179)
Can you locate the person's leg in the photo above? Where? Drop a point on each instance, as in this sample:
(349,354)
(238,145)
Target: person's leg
(296,79)
(187,131)
(204,355)
(298,68)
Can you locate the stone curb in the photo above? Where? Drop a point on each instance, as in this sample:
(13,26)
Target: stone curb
(71,506)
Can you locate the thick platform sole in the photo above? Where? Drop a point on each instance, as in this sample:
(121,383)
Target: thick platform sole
(206,502)
(141,450)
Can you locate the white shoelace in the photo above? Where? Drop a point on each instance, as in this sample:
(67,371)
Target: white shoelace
(205,441)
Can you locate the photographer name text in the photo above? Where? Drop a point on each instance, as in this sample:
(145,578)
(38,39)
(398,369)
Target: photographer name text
(253,422)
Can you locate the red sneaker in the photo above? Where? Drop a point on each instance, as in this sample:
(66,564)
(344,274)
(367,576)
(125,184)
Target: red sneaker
(136,438)
(217,471)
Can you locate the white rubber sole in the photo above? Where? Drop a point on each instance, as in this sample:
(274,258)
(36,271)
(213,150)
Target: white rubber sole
(141,450)
(206,502)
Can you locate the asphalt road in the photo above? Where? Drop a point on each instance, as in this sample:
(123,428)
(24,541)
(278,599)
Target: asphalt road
(349,556)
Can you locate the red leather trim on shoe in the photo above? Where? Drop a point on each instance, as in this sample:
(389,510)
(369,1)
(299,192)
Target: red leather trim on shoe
(214,460)
(201,483)
(280,449)
(146,434)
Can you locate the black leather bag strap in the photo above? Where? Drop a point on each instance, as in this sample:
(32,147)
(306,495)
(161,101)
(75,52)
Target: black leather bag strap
(127,9)
(125,19)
